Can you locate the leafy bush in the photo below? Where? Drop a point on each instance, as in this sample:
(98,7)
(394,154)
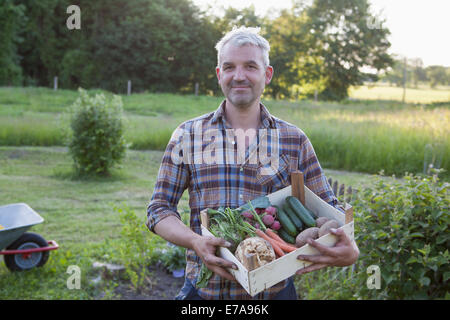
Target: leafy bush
(402,228)
(97,142)
(172,257)
(137,250)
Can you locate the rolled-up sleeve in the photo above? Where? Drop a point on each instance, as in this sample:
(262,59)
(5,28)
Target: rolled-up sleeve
(171,182)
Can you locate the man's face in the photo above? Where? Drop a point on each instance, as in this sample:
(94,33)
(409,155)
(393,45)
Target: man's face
(242,75)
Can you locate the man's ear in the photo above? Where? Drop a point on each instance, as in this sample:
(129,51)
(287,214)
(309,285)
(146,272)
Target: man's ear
(269,74)
(218,73)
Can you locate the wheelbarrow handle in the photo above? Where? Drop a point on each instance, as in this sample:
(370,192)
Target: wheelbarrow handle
(52,245)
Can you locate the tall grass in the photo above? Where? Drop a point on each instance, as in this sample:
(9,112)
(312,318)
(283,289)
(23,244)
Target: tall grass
(366,136)
(412,95)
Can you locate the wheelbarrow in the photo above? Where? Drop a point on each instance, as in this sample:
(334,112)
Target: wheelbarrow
(24,250)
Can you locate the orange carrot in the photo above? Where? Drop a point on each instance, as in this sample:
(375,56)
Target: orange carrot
(282,244)
(274,243)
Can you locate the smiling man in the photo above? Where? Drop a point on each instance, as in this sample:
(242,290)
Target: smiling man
(243,71)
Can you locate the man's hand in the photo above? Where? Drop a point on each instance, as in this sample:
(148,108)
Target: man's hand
(344,253)
(205,247)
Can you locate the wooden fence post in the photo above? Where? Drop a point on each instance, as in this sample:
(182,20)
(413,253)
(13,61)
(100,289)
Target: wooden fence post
(55,83)
(129,88)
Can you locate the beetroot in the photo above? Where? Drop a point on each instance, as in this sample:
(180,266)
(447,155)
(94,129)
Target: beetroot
(276,225)
(268,220)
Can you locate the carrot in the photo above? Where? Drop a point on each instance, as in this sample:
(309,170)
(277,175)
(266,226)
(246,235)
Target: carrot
(273,242)
(282,244)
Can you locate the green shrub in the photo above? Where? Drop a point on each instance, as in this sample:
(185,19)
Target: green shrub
(138,247)
(96,142)
(402,227)
(172,257)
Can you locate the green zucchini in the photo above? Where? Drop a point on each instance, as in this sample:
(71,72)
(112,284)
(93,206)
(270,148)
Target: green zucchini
(301,211)
(286,222)
(294,218)
(285,236)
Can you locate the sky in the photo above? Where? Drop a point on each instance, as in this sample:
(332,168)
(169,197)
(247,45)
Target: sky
(419,28)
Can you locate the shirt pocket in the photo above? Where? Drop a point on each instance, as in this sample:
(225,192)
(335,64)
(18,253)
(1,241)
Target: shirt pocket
(271,178)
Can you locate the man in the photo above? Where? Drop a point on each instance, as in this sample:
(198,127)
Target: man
(221,171)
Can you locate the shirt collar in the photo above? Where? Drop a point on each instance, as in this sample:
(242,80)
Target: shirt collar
(267,120)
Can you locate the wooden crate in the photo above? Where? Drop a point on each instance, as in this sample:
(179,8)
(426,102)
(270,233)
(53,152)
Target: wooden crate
(266,276)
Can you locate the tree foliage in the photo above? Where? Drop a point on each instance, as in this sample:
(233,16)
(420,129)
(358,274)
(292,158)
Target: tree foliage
(168,45)
(12,19)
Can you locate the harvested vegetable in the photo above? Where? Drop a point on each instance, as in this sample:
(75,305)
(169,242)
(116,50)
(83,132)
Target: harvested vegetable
(298,208)
(247,214)
(272,211)
(276,225)
(284,245)
(257,217)
(268,220)
(310,233)
(228,224)
(321,221)
(260,202)
(257,246)
(325,228)
(275,245)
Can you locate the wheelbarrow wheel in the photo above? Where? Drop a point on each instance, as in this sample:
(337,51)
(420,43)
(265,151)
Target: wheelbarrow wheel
(20,262)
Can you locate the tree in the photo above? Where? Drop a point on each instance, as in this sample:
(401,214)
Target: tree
(343,35)
(297,73)
(437,75)
(418,72)
(13,19)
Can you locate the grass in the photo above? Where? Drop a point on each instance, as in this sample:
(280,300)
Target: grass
(420,94)
(80,215)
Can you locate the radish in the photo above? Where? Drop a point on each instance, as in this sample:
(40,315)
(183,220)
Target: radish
(247,214)
(276,225)
(268,220)
(271,210)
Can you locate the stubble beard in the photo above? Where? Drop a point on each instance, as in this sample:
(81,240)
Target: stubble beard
(242,101)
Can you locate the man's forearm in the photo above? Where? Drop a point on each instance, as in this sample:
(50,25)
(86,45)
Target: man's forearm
(175,231)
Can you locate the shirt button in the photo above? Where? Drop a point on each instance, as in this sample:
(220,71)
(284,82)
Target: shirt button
(241,196)
(242,169)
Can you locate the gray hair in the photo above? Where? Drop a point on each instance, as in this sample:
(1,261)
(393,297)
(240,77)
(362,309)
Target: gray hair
(244,36)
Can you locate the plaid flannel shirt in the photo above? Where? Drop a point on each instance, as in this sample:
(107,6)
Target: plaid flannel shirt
(229,182)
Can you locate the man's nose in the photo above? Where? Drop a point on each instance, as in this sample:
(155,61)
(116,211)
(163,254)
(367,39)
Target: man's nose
(239,74)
